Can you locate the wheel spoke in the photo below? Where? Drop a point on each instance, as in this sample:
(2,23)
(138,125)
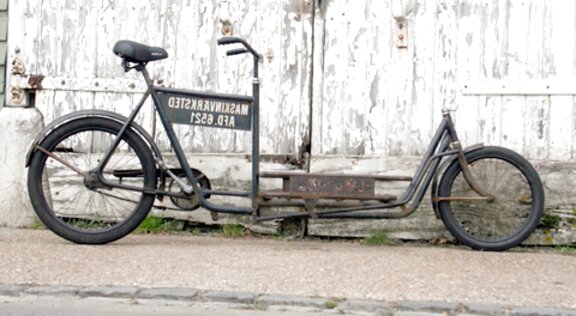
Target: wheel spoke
(81,207)
(492,224)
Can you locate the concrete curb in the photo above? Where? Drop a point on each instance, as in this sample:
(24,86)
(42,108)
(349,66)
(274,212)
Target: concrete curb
(399,308)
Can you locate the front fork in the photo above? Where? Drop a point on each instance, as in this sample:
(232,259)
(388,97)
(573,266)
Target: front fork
(475,186)
(466,171)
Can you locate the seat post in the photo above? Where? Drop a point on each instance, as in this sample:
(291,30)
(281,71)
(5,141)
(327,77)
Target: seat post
(142,68)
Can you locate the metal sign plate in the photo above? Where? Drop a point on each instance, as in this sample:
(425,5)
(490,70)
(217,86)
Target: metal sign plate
(331,186)
(207,111)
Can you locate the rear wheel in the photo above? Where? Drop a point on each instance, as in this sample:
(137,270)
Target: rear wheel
(493,224)
(69,196)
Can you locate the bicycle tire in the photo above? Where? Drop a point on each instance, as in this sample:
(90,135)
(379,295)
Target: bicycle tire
(76,209)
(504,222)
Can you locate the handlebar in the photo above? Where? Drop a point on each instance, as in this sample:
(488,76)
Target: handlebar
(236,51)
(234,40)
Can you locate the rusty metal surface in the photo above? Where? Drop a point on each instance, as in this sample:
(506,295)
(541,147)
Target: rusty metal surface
(17,67)
(35,82)
(300,195)
(288,174)
(468,173)
(464,198)
(321,185)
(17,95)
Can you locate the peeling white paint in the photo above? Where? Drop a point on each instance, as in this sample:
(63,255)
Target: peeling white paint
(332,73)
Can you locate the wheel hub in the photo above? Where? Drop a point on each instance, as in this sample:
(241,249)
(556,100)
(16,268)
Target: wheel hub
(92,181)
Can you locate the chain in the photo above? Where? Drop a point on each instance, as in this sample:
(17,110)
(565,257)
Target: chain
(158,207)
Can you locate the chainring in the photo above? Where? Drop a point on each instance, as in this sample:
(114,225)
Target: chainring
(191,202)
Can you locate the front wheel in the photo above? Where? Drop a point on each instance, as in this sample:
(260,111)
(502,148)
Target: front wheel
(67,192)
(505,219)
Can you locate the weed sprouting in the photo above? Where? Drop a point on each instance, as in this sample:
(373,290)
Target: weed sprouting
(233,230)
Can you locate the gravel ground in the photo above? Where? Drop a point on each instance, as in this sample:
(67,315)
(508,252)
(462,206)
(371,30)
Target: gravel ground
(301,268)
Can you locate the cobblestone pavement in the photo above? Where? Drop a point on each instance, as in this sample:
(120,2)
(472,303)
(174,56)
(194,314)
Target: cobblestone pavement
(258,276)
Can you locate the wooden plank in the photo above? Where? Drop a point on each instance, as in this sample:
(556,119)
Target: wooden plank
(536,127)
(335,62)
(23,26)
(513,109)
(3,53)
(45,104)
(69,83)
(377,79)
(3,26)
(50,34)
(237,77)
(317,80)
(355,59)
(294,75)
(446,48)
(536,118)
(423,34)
(562,31)
(536,87)
(493,66)
(189,72)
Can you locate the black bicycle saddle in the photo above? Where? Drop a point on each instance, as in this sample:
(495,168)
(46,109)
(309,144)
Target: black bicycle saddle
(138,53)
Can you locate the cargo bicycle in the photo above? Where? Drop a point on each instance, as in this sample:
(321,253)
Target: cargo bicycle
(94,175)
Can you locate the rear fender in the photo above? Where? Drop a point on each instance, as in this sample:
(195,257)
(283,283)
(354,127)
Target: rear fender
(92,113)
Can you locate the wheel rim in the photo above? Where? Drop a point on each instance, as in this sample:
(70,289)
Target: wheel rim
(79,204)
(502,218)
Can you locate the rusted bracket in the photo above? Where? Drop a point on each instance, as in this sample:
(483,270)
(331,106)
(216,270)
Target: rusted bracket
(310,205)
(20,84)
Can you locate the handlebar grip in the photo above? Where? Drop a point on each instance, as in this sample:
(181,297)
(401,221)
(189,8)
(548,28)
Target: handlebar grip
(236,51)
(228,40)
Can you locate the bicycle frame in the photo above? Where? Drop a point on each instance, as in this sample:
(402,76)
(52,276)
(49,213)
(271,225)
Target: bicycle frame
(444,138)
(514,211)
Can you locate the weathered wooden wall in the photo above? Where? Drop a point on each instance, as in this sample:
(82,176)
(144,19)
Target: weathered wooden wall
(376,99)
(334,81)
(337,66)
(70,42)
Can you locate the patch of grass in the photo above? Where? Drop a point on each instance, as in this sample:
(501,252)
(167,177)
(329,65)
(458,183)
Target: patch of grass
(155,225)
(36,225)
(378,237)
(567,250)
(330,304)
(550,221)
(233,230)
(277,236)
(196,231)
